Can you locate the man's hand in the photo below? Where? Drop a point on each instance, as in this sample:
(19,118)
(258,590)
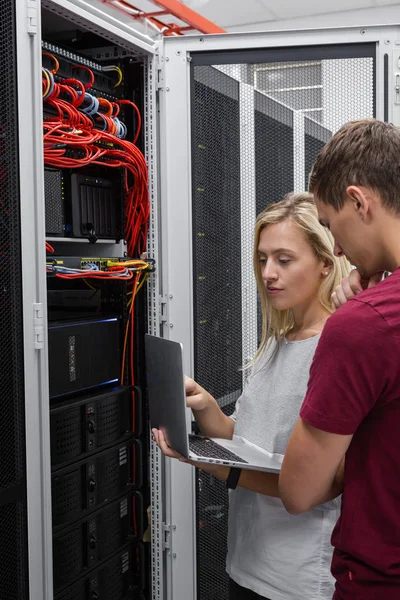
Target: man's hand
(353,285)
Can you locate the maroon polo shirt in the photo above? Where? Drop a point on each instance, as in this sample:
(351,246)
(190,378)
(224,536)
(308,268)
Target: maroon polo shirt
(354,388)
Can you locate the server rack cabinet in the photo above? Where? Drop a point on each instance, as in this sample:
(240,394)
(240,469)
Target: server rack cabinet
(29,541)
(320,79)
(94,211)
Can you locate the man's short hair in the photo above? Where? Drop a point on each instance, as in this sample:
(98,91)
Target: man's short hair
(366,153)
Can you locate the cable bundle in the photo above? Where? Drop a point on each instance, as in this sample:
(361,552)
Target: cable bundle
(124,270)
(90,126)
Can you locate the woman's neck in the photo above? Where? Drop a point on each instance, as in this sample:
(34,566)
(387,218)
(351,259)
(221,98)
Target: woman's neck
(308,322)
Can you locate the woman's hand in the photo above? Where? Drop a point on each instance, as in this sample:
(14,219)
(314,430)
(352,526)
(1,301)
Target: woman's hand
(197,398)
(217,470)
(210,419)
(159,438)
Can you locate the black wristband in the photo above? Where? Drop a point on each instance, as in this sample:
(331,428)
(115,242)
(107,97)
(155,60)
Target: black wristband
(233,478)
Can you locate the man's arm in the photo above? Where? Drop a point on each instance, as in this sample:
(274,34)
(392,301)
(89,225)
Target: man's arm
(352,366)
(312,467)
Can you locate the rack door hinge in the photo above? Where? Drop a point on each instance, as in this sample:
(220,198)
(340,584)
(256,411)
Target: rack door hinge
(159,80)
(159,72)
(166,541)
(32,16)
(163,309)
(38,325)
(397,88)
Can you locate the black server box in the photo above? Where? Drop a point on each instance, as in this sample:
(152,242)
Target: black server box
(80,427)
(95,207)
(120,578)
(84,545)
(83,354)
(83,487)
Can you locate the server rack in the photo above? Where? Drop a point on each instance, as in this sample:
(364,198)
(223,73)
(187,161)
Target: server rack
(99,442)
(86,451)
(167,84)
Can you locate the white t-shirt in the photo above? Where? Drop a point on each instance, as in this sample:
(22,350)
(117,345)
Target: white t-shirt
(277,555)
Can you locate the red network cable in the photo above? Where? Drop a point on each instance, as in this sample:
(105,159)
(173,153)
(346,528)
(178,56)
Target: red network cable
(73,129)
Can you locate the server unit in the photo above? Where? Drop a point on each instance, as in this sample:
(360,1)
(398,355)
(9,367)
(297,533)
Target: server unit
(79,489)
(81,547)
(80,427)
(120,578)
(83,354)
(95,207)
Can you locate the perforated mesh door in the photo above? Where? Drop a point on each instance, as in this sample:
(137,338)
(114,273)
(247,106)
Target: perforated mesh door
(54,205)
(13,536)
(257,125)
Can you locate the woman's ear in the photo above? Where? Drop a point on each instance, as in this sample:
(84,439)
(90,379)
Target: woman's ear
(326,269)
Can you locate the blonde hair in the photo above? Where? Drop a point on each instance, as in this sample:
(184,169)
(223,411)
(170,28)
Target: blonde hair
(301,209)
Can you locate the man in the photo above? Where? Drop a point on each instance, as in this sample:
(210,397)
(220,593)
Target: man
(351,412)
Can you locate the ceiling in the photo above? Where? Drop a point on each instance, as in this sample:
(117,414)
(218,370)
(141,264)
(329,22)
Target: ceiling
(242,15)
(230,13)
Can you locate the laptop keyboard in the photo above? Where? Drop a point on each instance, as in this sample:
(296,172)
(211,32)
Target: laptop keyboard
(209,449)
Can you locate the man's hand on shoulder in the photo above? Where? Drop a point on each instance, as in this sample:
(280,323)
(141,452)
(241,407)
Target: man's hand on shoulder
(353,285)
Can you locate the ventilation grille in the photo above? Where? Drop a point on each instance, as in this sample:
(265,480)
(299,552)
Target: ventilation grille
(54,202)
(13,560)
(13,524)
(256,130)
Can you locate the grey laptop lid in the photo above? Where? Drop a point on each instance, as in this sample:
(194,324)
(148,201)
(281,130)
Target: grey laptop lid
(166,391)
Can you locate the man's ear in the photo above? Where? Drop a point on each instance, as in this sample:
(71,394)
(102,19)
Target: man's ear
(361,201)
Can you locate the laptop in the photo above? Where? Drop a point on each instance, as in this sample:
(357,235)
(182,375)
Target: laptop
(167,404)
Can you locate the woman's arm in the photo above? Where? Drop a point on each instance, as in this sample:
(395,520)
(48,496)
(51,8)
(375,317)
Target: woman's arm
(256,481)
(209,416)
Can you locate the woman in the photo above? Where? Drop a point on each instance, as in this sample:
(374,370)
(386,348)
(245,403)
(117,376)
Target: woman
(273,555)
